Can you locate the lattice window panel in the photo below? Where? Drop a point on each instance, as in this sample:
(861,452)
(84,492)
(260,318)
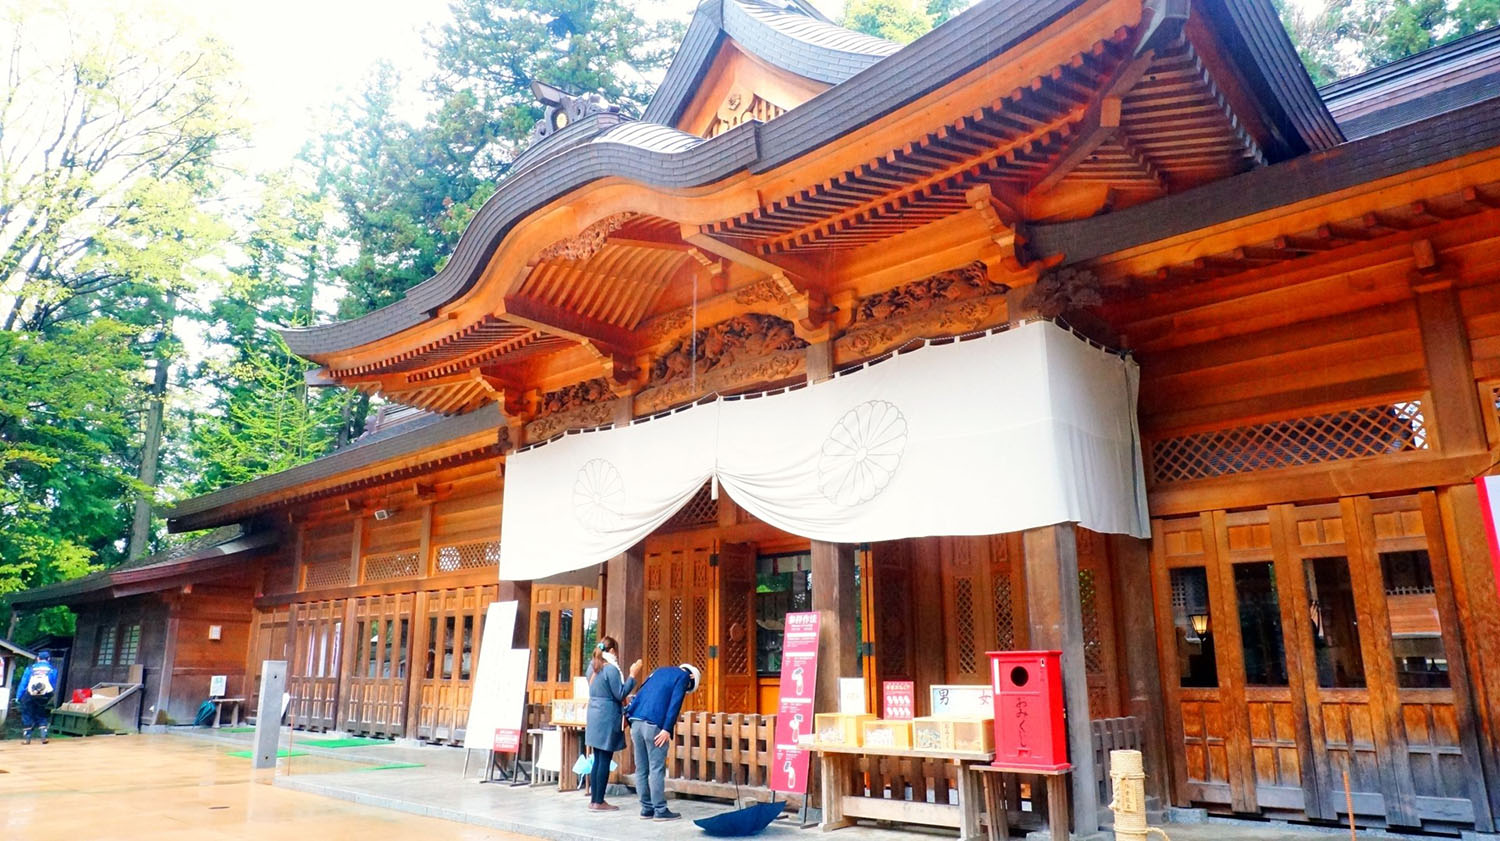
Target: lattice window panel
(963,593)
(461,556)
(326,574)
(677,630)
(1381,430)
(1005,620)
(653,634)
(701,510)
(130,645)
(1093,643)
(893,616)
(737,652)
(700,632)
(390,567)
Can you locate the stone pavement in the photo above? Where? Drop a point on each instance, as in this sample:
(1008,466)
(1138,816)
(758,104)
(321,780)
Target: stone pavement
(182,785)
(166,788)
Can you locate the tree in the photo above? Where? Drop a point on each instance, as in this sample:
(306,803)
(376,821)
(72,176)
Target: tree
(1342,37)
(942,10)
(901,21)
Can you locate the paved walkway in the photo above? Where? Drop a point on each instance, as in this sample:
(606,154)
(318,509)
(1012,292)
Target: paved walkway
(168,788)
(184,786)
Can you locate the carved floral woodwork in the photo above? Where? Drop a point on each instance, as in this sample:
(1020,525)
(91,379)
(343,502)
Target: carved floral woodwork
(1062,292)
(744,373)
(582,405)
(949,303)
(588,241)
(970,281)
(726,344)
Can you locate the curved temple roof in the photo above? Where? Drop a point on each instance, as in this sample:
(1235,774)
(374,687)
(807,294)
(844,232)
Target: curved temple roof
(872,78)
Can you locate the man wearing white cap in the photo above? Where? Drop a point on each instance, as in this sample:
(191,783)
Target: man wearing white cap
(653,715)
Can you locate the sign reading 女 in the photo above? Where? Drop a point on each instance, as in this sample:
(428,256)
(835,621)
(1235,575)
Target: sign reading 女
(794,715)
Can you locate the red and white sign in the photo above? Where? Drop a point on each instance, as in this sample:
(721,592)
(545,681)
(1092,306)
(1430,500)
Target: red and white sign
(794,716)
(1489,506)
(507,741)
(900,699)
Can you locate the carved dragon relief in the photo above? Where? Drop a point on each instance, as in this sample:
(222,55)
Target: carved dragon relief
(949,303)
(579,406)
(588,241)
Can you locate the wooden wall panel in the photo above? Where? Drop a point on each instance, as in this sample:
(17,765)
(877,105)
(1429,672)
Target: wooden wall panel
(452,628)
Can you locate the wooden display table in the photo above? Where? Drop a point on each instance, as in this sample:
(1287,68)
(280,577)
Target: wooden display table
(1058,812)
(841,806)
(572,746)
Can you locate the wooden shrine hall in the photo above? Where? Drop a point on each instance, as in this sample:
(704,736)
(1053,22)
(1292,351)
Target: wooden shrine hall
(1300,286)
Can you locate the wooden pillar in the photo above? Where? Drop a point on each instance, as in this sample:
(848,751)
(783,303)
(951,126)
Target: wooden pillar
(1474,592)
(623,609)
(416,661)
(1136,619)
(1455,415)
(520,593)
(1056,618)
(833,597)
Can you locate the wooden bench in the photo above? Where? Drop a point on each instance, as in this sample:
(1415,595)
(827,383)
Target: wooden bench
(236,705)
(1058,814)
(841,806)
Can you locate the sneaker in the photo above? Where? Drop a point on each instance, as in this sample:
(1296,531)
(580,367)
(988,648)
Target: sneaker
(667,815)
(44,736)
(648,814)
(26,738)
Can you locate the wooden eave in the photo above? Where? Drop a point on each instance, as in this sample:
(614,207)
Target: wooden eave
(474,436)
(1103,103)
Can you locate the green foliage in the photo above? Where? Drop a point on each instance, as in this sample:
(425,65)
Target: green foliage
(901,21)
(66,404)
(1342,37)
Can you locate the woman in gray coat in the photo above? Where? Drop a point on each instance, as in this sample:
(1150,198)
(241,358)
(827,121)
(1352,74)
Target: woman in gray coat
(605,733)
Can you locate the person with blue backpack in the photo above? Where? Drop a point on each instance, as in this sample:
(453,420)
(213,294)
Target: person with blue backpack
(38,685)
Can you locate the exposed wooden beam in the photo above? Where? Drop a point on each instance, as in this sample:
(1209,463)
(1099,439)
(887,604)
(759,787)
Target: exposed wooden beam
(565,323)
(1099,124)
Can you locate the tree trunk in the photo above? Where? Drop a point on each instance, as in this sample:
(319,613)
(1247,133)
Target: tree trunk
(140,526)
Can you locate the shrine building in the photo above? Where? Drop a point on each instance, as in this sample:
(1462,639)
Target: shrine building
(1088,325)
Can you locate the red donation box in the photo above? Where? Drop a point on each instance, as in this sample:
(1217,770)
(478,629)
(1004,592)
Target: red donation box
(1029,727)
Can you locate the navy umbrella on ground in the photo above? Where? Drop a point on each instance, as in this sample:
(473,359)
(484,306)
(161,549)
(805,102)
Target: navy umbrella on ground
(740,822)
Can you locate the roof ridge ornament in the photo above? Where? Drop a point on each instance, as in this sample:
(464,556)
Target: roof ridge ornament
(562,109)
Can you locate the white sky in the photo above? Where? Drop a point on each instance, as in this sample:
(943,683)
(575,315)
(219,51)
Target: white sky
(298,57)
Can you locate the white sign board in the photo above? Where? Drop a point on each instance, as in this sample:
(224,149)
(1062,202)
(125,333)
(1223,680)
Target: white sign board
(977,701)
(852,695)
(218,686)
(499,696)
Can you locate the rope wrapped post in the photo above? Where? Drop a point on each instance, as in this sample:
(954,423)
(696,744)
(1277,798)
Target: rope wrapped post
(1128,774)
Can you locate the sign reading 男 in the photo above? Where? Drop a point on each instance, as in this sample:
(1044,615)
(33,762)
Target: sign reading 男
(794,716)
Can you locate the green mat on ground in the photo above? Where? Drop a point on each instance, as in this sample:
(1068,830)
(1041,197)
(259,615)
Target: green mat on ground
(281,754)
(236,729)
(390,765)
(341,743)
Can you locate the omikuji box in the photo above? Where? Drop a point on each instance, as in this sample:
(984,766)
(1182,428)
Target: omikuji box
(888,734)
(1029,729)
(840,729)
(567,711)
(932,733)
(973,735)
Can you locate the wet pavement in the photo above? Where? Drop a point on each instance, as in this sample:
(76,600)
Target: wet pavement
(185,786)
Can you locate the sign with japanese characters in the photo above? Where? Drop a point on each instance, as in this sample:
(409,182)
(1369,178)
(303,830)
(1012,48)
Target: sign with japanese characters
(900,700)
(794,716)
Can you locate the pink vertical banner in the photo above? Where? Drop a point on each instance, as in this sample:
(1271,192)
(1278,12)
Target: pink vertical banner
(794,715)
(1489,509)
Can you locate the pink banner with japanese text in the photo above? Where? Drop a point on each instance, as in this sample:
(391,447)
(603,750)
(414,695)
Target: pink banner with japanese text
(794,715)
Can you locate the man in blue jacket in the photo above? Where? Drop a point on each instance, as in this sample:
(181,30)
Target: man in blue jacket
(653,716)
(38,685)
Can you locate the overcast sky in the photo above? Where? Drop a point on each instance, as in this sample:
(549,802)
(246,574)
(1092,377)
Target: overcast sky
(297,57)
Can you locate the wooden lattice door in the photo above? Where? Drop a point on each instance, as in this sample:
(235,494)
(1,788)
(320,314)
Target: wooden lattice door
(375,683)
(982,602)
(313,679)
(679,617)
(735,663)
(892,612)
(270,640)
(449,631)
(1096,609)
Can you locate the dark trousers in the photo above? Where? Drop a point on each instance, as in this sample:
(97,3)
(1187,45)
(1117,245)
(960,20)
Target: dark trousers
(599,776)
(33,711)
